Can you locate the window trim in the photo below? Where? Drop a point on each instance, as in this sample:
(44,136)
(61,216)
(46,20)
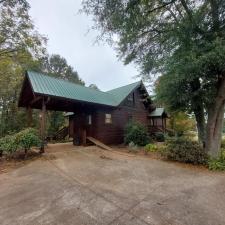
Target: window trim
(108,118)
(89,119)
(131,100)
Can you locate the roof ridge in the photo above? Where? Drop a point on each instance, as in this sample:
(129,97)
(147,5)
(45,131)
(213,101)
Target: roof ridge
(47,84)
(66,81)
(125,85)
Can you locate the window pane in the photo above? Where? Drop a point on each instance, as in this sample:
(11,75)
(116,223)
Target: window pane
(89,120)
(108,118)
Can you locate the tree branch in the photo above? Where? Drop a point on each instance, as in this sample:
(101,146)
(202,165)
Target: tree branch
(161,6)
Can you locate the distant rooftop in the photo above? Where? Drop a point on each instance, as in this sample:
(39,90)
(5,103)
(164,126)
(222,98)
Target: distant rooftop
(158,112)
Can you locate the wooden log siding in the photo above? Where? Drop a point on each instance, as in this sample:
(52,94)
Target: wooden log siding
(43,126)
(83,102)
(112,133)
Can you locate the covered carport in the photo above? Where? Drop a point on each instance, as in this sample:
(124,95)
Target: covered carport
(48,93)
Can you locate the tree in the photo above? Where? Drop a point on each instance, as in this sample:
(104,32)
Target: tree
(21,47)
(17,32)
(12,118)
(94,86)
(178,95)
(181,123)
(57,66)
(180,37)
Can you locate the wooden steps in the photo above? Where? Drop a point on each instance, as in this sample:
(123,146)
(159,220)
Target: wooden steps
(99,143)
(59,135)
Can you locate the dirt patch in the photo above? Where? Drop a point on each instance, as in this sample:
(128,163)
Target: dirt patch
(105,157)
(8,163)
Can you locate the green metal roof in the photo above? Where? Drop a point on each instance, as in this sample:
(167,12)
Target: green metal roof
(119,94)
(46,85)
(157,112)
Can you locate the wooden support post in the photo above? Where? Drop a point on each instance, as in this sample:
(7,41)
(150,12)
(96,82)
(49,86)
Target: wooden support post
(29,116)
(84,137)
(42,127)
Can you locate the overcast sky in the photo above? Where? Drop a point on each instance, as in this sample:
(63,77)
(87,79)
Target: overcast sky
(67,31)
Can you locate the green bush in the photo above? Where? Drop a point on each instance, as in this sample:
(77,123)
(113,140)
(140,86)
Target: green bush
(27,138)
(185,150)
(8,144)
(159,136)
(151,148)
(217,163)
(132,147)
(136,133)
(223,143)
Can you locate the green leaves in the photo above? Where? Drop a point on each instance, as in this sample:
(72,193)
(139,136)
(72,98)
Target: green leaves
(25,139)
(8,144)
(185,150)
(217,163)
(17,32)
(137,134)
(57,66)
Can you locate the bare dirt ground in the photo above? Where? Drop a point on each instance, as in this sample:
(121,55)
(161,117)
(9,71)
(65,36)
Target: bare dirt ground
(87,185)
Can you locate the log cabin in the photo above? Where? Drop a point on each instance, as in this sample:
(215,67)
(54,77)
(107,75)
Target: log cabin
(93,113)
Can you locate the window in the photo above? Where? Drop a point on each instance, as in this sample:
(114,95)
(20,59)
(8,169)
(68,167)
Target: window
(130,118)
(89,120)
(108,118)
(130,100)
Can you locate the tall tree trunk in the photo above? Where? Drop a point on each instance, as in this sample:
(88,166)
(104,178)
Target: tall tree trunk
(201,125)
(198,108)
(215,121)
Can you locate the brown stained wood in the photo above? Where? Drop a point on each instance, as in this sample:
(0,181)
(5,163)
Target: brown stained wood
(84,137)
(112,133)
(99,143)
(43,126)
(35,100)
(29,116)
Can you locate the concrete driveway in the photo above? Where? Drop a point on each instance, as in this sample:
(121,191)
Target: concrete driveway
(77,186)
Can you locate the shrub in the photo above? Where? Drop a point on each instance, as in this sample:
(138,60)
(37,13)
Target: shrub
(27,138)
(185,150)
(136,133)
(133,148)
(151,148)
(217,163)
(8,144)
(159,136)
(223,143)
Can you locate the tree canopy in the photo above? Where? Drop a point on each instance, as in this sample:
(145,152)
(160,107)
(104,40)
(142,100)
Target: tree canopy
(182,40)
(57,66)
(17,32)
(22,48)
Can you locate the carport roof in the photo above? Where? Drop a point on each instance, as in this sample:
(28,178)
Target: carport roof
(49,86)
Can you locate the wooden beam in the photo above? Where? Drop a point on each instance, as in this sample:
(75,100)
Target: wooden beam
(43,125)
(29,116)
(35,100)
